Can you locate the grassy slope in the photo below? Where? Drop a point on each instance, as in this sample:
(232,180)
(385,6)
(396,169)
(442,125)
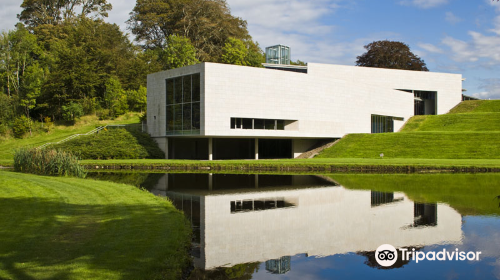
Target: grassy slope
(114,143)
(477,106)
(60,132)
(471,130)
(67,228)
(442,145)
(469,194)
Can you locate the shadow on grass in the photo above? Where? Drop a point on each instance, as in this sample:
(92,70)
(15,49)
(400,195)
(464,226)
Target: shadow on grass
(42,238)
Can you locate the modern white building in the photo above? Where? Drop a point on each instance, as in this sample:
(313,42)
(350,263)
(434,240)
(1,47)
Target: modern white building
(221,111)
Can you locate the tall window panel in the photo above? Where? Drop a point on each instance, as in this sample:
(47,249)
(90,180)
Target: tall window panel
(183,105)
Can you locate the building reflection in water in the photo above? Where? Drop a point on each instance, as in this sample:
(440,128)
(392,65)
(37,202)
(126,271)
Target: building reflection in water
(236,218)
(279,266)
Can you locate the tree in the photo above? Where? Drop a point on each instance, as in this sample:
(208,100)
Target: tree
(115,98)
(137,99)
(240,52)
(390,54)
(179,52)
(298,62)
(40,12)
(72,112)
(83,55)
(207,23)
(234,52)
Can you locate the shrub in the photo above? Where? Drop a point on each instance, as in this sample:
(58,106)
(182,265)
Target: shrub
(47,162)
(21,126)
(72,112)
(115,143)
(4,129)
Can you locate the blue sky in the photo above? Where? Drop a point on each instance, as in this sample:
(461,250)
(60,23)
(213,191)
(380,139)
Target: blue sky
(455,36)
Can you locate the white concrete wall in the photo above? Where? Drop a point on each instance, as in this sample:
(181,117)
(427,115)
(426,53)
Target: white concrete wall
(448,86)
(328,102)
(327,221)
(324,107)
(157,98)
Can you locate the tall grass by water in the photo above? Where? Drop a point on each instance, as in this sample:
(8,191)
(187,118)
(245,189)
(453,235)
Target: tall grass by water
(47,162)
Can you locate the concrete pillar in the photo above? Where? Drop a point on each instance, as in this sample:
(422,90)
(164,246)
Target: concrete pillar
(257,181)
(256,148)
(210,181)
(210,149)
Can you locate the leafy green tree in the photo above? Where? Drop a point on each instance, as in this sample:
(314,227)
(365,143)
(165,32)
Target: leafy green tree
(7,109)
(21,126)
(52,12)
(115,98)
(298,62)
(240,52)
(83,55)
(31,87)
(136,99)
(72,111)
(234,52)
(255,56)
(18,50)
(179,52)
(207,23)
(390,54)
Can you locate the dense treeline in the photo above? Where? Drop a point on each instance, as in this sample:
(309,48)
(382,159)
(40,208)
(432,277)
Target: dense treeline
(62,60)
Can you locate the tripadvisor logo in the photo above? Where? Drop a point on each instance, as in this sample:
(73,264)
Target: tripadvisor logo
(386,255)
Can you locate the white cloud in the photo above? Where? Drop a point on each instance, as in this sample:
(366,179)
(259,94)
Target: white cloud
(298,24)
(120,13)
(8,14)
(452,18)
(491,89)
(479,47)
(430,48)
(284,15)
(424,4)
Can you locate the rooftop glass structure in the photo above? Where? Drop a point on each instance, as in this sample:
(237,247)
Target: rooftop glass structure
(278,54)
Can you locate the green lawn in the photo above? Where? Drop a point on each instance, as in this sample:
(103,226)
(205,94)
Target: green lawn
(454,122)
(58,133)
(469,194)
(470,131)
(477,106)
(425,145)
(67,228)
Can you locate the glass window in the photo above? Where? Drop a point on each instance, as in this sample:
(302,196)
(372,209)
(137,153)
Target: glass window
(186,89)
(233,123)
(183,114)
(178,90)
(269,124)
(170,92)
(247,123)
(258,124)
(196,87)
(170,118)
(280,125)
(196,116)
(381,124)
(177,117)
(186,113)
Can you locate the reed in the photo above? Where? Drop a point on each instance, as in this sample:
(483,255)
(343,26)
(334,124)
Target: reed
(48,162)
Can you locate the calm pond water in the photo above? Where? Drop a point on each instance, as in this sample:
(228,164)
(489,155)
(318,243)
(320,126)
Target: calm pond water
(330,226)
